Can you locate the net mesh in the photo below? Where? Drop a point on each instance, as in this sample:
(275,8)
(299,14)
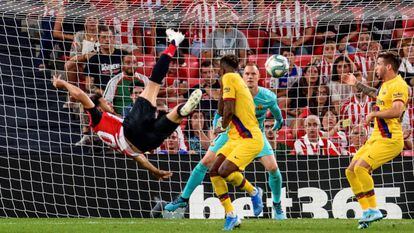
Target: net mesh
(51,164)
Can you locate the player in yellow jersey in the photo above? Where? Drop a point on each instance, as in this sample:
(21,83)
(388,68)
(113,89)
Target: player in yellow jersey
(386,141)
(245,140)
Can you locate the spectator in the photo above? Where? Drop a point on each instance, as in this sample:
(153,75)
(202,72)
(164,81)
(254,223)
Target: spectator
(364,40)
(407,62)
(294,74)
(270,132)
(303,89)
(210,86)
(117,90)
(365,61)
(291,24)
(103,65)
(336,22)
(320,102)
(84,42)
(198,138)
(327,59)
(356,107)
(331,129)
(203,17)
(127,27)
(339,91)
(175,84)
(135,91)
(384,25)
(312,143)
(172,145)
(357,138)
(226,39)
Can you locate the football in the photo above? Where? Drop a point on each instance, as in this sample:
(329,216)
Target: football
(277,66)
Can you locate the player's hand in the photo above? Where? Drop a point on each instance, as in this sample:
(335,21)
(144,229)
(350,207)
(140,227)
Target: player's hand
(219,130)
(57,82)
(161,174)
(349,79)
(370,117)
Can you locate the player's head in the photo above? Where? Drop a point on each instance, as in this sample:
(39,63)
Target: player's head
(101,103)
(358,135)
(387,65)
(329,120)
(364,40)
(207,72)
(251,75)
(289,54)
(136,91)
(268,126)
(229,63)
(312,127)
(329,48)
(129,64)
(106,38)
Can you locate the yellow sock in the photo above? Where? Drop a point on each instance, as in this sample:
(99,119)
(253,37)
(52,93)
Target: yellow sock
(365,178)
(226,202)
(363,202)
(372,201)
(237,180)
(221,190)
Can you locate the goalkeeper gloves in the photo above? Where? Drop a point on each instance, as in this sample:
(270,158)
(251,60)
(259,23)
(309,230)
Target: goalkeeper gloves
(278,125)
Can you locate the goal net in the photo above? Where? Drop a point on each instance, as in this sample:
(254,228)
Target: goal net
(51,165)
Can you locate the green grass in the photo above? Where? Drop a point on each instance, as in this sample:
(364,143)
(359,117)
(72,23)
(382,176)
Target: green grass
(92,225)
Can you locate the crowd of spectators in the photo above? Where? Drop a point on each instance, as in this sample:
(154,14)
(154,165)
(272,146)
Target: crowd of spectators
(113,47)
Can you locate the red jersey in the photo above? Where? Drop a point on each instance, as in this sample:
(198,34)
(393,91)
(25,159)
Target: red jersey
(323,147)
(111,131)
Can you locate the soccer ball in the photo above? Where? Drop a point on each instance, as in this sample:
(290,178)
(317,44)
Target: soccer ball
(277,66)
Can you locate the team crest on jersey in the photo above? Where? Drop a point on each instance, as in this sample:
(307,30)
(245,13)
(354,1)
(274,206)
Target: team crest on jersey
(259,107)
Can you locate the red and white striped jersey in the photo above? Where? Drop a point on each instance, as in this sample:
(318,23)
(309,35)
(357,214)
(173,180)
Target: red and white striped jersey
(111,131)
(202,17)
(356,110)
(124,30)
(325,68)
(363,63)
(352,150)
(338,139)
(323,147)
(289,21)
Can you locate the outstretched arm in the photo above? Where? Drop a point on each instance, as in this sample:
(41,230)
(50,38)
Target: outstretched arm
(277,114)
(74,91)
(159,174)
(350,79)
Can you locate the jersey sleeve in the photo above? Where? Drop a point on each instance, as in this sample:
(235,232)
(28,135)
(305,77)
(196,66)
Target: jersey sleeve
(399,93)
(229,90)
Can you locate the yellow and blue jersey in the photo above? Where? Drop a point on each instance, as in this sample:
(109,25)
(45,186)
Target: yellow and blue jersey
(244,123)
(395,89)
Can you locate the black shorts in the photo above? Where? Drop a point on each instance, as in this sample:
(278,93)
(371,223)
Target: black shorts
(143,129)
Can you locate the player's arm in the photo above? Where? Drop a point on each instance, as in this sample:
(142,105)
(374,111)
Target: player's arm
(159,174)
(229,101)
(350,79)
(74,91)
(277,114)
(396,111)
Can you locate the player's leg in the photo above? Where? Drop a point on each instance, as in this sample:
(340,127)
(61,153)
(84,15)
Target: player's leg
(245,150)
(268,160)
(198,174)
(160,69)
(381,151)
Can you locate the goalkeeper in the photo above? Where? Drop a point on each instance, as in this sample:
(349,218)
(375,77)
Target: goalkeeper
(264,99)
(142,130)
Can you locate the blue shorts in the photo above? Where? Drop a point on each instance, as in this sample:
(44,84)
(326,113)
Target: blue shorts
(222,138)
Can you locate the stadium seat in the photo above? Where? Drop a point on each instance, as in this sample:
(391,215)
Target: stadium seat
(260,60)
(257,39)
(303,60)
(192,66)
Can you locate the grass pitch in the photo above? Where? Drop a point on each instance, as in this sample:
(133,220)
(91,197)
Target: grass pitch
(95,225)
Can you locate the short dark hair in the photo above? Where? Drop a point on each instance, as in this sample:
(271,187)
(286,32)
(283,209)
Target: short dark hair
(330,41)
(286,49)
(206,63)
(104,28)
(392,58)
(95,99)
(230,61)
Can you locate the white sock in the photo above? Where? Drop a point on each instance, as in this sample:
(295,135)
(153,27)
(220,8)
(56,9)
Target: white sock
(231,214)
